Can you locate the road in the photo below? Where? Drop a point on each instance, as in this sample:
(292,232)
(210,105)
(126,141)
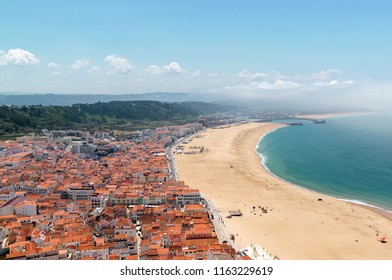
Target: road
(173,173)
(220,228)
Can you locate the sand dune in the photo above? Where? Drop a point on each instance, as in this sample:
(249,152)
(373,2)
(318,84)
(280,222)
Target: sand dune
(297,225)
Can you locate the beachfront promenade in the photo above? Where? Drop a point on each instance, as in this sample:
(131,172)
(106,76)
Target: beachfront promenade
(220,229)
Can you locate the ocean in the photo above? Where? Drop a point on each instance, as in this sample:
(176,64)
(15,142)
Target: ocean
(348,158)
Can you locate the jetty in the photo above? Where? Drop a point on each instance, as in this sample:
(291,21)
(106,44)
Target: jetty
(316,121)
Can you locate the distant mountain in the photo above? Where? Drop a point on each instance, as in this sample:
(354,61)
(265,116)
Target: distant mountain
(20,99)
(321,101)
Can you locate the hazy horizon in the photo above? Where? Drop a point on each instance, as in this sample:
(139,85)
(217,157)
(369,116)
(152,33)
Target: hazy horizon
(333,54)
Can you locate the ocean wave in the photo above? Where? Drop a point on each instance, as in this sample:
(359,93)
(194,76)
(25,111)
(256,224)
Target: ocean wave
(354,201)
(265,134)
(263,157)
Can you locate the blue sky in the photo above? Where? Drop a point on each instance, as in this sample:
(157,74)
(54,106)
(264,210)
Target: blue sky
(229,47)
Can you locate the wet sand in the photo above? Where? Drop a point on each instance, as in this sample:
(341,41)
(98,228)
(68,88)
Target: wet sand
(299,224)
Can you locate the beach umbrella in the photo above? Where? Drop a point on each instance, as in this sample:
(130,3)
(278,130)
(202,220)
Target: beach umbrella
(383,238)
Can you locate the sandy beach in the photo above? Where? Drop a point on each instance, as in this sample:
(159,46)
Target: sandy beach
(299,224)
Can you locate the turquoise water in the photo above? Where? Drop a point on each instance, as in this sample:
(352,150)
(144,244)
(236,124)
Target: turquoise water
(348,157)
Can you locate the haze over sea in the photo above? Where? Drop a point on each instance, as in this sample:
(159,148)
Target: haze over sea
(348,157)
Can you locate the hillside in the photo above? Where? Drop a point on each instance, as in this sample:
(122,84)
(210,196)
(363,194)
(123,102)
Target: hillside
(113,115)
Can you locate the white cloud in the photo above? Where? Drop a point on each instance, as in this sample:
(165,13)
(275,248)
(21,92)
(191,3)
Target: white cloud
(79,63)
(333,83)
(53,65)
(18,57)
(327,74)
(214,75)
(118,64)
(277,84)
(154,70)
(271,76)
(330,77)
(56,74)
(257,75)
(173,67)
(1,51)
(274,80)
(196,74)
(94,70)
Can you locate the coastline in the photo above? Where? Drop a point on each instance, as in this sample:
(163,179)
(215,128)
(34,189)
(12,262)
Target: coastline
(297,225)
(377,209)
(387,213)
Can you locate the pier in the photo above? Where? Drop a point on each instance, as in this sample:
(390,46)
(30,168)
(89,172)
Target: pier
(316,121)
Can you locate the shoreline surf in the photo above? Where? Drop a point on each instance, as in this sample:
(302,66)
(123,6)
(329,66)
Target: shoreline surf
(374,207)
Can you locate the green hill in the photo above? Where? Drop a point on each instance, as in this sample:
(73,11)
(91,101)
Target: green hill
(114,115)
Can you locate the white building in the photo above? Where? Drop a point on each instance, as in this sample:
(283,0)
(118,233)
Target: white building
(26,208)
(81,193)
(188,196)
(125,226)
(101,134)
(95,252)
(76,147)
(8,208)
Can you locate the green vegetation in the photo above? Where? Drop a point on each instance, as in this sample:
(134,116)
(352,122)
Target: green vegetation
(121,115)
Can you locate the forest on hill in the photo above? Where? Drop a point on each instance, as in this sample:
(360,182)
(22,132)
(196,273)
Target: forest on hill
(15,120)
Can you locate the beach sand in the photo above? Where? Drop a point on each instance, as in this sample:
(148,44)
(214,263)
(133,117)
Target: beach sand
(297,225)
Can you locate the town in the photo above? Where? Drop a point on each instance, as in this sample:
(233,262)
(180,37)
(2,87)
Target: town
(76,195)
